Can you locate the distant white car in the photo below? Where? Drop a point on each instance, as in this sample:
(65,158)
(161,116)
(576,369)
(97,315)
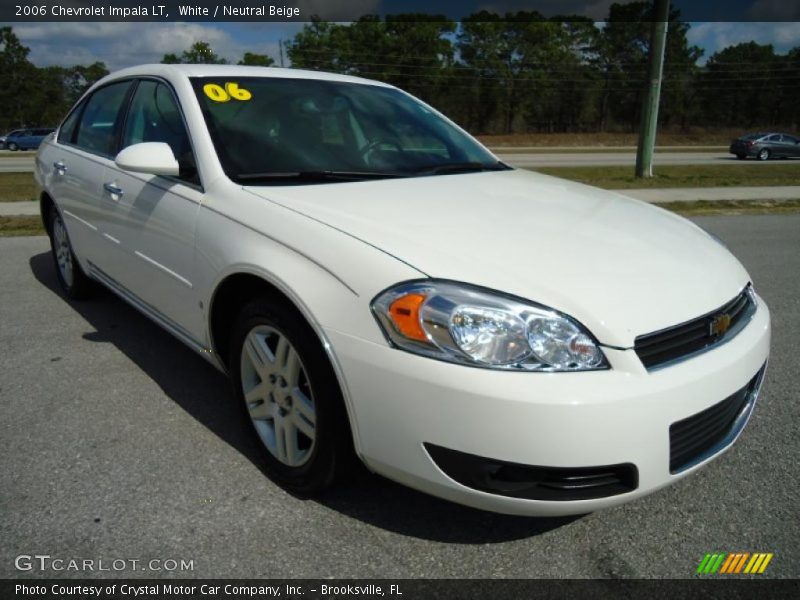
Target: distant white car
(378,285)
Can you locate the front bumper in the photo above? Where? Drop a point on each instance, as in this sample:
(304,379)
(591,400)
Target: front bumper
(399,402)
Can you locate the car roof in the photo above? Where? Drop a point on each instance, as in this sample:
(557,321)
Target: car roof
(191,70)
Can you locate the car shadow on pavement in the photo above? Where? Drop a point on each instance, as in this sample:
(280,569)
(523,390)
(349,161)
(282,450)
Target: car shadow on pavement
(204,393)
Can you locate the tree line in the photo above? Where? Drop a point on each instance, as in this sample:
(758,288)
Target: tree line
(521,72)
(493,74)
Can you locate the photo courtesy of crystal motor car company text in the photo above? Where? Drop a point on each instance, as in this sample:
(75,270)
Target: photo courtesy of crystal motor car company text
(380,287)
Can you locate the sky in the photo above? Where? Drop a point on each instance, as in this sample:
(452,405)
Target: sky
(124,44)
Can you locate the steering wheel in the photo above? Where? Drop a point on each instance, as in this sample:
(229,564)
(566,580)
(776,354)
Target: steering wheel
(374,145)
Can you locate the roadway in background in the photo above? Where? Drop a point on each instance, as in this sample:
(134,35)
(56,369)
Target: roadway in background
(539,157)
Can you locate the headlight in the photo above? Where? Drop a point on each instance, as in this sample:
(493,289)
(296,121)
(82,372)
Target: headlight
(468,325)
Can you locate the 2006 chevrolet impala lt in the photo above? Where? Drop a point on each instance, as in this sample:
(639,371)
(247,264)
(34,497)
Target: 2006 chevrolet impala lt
(379,286)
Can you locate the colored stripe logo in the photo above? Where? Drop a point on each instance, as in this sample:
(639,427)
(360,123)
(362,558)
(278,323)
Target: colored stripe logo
(734,563)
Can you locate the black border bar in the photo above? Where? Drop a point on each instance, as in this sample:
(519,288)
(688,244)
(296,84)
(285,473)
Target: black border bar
(13,11)
(708,586)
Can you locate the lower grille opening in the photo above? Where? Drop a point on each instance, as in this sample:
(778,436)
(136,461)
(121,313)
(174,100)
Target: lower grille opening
(698,437)
(534,482)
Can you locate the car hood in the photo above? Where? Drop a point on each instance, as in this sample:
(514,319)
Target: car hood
(621,267)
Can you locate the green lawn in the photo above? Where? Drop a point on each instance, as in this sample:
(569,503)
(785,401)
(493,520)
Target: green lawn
(26,225)
(17,154)
(16,187)
(732,207)
(675,176)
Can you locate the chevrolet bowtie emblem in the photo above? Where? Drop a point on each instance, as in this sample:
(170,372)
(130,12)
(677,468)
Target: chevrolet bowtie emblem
(719,325)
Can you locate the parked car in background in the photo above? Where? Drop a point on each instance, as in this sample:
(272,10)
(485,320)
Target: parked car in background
(764,146)
(379,285)
(4,137)
(27,139)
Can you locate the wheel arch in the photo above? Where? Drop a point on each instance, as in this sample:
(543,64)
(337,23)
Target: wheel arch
(240,287)
(46,204)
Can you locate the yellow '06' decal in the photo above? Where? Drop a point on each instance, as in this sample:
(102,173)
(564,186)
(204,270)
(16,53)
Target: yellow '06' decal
(231,90)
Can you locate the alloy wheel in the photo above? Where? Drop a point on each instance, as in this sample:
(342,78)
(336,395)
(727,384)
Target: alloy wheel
(63,251)
(278,395)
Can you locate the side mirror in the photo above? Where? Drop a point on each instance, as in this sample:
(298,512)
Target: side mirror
(155,158)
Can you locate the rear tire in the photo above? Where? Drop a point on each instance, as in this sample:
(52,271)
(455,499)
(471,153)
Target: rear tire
(74,282)
(290,397)
(763,154)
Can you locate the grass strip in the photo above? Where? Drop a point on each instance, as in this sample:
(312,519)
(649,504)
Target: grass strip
(21,225)
(732,207)
(678,176)
(601,150)
(17,187)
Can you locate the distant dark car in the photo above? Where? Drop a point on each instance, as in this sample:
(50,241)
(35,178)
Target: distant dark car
(764,146)
(27,139)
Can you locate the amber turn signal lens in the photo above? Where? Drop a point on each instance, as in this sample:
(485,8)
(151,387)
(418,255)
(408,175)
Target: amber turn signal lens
(404,313)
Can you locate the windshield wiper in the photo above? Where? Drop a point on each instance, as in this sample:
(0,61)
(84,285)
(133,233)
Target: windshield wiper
(462,167)
(315,176)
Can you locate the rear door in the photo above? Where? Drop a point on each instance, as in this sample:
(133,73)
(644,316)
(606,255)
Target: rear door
(73,168)
(152,216)
(773,143)
(792,145)
(24,139)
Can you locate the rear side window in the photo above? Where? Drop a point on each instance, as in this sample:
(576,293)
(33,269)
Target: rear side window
(66,133)
(98,127)
(774,138)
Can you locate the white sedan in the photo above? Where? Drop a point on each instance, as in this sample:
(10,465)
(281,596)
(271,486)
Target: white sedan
(380,287)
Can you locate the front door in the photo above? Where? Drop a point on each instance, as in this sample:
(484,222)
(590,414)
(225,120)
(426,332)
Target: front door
(154,217)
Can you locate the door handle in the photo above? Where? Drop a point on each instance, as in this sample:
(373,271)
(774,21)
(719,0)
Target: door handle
(60,167)
(113,189)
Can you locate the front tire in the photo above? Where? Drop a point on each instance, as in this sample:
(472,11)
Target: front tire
(291,398)
(13,147)
(73,280)
(763,154)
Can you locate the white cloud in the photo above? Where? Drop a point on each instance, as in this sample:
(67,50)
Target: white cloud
(716,36)
(124,44)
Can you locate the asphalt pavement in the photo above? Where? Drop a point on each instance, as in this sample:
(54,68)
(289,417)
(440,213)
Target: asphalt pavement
(16,162)
(118,442)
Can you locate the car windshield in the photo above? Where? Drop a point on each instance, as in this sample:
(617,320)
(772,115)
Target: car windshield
(279,131)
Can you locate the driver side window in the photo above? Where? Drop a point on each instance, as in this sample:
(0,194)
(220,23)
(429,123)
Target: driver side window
(154,116)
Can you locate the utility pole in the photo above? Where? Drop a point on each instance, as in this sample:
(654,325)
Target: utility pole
(647,130)
(280,46)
